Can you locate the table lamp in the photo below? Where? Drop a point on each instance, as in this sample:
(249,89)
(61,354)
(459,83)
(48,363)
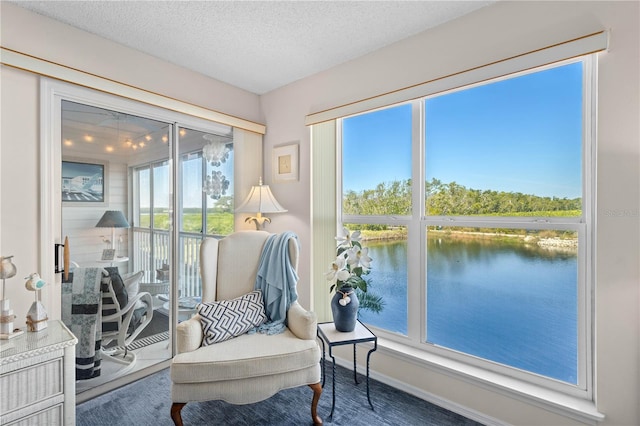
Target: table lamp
(260,200)
(113,219)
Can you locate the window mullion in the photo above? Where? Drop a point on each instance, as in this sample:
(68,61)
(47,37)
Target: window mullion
(416,258)
(586,268)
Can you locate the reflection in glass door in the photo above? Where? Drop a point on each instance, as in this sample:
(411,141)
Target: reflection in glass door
(99,149)
(204,204)
(174,185)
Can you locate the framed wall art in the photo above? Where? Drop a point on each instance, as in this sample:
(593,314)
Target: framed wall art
(285,163)
(108,254)
(84,182)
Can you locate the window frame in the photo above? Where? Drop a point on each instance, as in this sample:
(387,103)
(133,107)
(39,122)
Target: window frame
(418,221)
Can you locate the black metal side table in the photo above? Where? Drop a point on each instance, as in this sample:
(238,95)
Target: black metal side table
(328,333)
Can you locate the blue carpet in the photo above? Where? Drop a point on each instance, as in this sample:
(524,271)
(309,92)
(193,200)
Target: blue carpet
(147,402)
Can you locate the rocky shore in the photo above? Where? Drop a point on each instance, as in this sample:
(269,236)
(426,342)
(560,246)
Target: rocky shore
(557,243)
(551,243)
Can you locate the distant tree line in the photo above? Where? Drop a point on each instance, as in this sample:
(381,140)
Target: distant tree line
(386,199)
(394,198)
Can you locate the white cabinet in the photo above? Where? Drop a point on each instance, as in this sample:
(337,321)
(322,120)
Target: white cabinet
(37,378)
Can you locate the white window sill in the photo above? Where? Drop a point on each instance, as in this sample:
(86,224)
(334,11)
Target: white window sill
(576,408)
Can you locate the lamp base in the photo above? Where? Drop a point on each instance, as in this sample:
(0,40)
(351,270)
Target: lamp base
(259,221)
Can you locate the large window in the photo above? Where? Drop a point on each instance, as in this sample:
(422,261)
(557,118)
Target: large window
(474,206)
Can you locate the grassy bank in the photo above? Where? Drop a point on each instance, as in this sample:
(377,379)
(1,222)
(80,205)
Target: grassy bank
(544,237)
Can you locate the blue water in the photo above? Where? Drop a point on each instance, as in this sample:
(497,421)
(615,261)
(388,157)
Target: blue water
(512,304)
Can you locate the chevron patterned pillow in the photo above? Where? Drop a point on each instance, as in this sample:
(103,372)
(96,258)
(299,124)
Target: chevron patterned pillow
(227,319)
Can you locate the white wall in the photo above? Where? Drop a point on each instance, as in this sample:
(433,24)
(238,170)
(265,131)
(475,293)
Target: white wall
(496,32)
(19,193)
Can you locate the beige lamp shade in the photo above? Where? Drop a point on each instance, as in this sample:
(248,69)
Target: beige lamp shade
(260,200)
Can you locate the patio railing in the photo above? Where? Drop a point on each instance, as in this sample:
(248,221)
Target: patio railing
(151,252)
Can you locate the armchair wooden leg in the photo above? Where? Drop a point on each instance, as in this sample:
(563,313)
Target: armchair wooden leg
(175,412)
(317,391)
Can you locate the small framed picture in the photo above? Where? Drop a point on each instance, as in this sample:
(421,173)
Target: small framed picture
(285,163)
(108,254)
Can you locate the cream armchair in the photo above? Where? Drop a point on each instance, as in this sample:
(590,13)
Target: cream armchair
(251,367)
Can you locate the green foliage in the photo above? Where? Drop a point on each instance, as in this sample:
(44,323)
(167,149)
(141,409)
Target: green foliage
(369,301)
(219,222)
(452,199)
(392,198)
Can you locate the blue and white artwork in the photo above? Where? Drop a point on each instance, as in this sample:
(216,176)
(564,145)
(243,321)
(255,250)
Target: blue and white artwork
(82,182)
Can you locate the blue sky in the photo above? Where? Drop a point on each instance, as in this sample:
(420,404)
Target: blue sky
(192,184)
(192,181)
(518,135)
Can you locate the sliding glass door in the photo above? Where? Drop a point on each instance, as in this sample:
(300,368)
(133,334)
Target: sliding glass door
(171,177)
(99,147)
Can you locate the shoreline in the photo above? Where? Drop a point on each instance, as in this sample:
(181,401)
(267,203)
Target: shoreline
(550,243)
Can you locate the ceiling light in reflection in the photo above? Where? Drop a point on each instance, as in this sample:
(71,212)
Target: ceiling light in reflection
(88,138)
(108,148)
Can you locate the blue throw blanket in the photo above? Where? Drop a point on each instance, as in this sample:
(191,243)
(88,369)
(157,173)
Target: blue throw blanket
(277,279)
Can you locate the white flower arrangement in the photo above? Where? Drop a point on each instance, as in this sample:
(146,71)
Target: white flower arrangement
(347,270)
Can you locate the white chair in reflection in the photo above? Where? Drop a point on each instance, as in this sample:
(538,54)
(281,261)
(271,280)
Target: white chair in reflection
(125,313)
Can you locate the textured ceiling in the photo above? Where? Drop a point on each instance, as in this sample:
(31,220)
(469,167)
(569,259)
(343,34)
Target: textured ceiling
(255,45)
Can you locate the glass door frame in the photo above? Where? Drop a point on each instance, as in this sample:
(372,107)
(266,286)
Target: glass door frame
(52,93)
